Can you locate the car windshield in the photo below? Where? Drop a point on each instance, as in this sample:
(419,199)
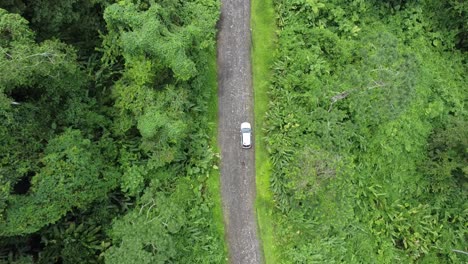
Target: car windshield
(245,130)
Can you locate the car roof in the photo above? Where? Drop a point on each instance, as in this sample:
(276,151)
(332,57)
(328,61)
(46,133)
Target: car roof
(246,138)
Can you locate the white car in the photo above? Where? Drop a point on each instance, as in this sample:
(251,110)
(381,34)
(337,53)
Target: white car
(246,135)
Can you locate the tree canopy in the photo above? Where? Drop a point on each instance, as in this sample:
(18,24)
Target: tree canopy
(104,125)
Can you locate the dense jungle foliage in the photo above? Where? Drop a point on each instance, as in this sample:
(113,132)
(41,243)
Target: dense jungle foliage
(104,137)
(367,131)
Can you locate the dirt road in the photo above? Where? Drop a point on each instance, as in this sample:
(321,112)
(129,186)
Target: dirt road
(236,106)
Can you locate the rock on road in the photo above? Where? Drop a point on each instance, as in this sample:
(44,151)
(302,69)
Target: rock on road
(235,97)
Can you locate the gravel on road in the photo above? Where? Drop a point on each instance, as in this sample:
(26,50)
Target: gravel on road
(235,98)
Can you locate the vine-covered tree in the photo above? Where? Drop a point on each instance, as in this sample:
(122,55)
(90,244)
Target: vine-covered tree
(43,94)
(75,22)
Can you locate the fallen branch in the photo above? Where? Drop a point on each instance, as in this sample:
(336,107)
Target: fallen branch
(345,94)
(339,97)
(460,251)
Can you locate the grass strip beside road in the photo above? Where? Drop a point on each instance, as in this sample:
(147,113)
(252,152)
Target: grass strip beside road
(263,39)
(213,183)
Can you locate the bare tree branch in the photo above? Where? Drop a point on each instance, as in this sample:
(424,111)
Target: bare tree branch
(345,94)
(460,251)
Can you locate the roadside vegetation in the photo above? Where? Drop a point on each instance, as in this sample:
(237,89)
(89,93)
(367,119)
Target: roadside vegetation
(213,182)
(106,137)
(263,36)
(366,131)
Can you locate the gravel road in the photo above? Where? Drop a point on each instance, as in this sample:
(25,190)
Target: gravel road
(235,97)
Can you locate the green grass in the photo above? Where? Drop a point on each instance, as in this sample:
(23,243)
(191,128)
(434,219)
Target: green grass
(263,36)
(213,183)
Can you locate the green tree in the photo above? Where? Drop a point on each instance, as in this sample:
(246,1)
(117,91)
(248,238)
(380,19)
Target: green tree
(165,32)
(43,93)
(169,225)
(162,45)
(448,158)
(73,174)
(75,22)
(68,144)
